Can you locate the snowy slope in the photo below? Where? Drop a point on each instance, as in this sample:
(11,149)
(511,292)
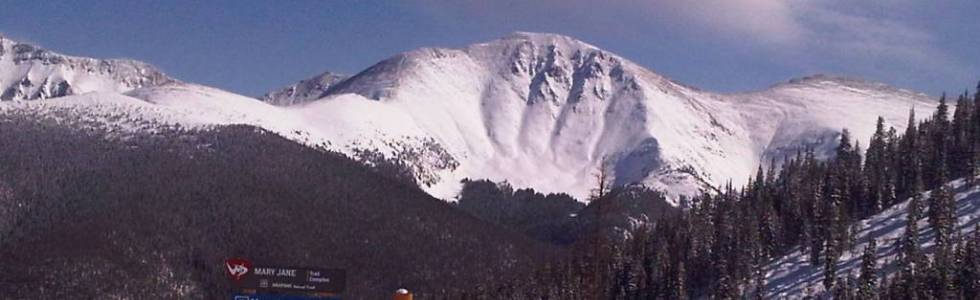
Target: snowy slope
(335,127)
(546,111)
(815,108)
(304,91)
(541,111)
(28,72)
(123,115)
(792,276)
(349,124)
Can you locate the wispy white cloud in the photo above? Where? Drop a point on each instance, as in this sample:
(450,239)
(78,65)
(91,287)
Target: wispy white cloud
(860,37)
(819,28)
(778,24)
(772,22)
(842,31)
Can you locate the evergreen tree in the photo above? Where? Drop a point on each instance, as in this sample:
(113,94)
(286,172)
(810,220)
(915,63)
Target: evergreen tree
(973,163)
(843,289)
(759,279)
(961,146)
(972,168)
(938,139)
(911,258)
(868,288)
(843,191)
(908,157)
(830,259)
(970,267)
(819,229)
(876,170)
(727,288)
(679,290)
(768,232)
(975,119)
(942,218)
(889,198)
(960,143)
(941,116)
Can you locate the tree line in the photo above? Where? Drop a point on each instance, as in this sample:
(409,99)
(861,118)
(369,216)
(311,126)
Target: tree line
(718,246)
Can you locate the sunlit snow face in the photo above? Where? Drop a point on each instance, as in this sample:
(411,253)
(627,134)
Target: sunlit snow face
(536,110)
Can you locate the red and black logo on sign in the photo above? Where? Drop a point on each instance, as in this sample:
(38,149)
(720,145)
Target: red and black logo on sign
(237,268)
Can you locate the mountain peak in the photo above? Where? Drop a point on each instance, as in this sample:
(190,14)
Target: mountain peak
(32,72)
(304,91)
(541,65)
(543,38)
(540,40)
(821,77)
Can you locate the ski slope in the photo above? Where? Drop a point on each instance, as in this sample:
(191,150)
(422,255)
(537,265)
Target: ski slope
(792,276)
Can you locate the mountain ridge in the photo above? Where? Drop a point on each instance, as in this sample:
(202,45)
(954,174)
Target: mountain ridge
(30,72)
(305,90)
(525,69)
(548,112)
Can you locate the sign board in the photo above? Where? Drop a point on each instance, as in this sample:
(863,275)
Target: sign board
(254,282)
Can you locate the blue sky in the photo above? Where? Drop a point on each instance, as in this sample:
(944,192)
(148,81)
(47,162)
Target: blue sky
(251,47)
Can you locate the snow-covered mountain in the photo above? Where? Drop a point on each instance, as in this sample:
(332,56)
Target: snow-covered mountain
(304,91)
(28,72)
(538,110)
(546,111)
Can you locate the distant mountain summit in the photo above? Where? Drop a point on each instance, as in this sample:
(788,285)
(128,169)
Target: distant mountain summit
(28,72)
(304,91)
